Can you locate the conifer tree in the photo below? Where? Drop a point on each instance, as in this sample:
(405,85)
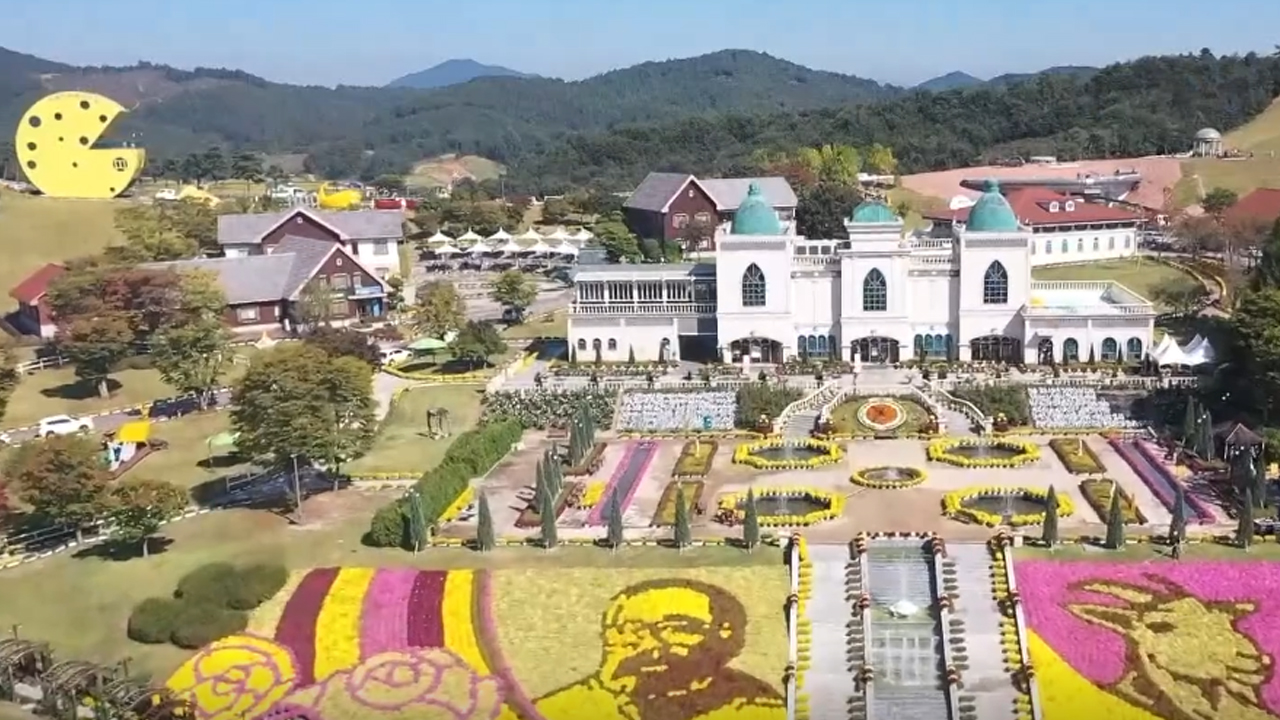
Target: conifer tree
(631,355)
(573,356)
(1178,523)
(1189,423)
(750,522)
(1115,522)
(683,533)
(615,538)
(1260,485)
(547,518)
(485,539)
(1244,526)
(1049,532)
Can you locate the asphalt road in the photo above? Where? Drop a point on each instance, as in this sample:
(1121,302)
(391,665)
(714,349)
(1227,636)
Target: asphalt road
(112,421)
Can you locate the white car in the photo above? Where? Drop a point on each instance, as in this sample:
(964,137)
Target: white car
(5,439)
(168,194)
(63,425)
(394,356)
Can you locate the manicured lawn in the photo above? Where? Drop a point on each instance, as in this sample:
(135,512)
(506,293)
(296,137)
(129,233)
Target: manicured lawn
(39,230)
(403,445)
(445,364)
(186,461)
(546,325)
(1242,176)
(1141,275)
(95,594)
(845,417)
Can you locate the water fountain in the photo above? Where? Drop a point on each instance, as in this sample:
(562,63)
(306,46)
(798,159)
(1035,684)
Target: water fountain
(788,452)
(1008,506)
(787,505)
(779,454)
(781,506)
(984,453)
(888,477)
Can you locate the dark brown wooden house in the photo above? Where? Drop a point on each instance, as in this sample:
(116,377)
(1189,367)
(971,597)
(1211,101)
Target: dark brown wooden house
(665,205)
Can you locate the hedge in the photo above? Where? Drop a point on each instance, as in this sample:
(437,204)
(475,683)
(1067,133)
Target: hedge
(198,625)
(153,620)
(471,455)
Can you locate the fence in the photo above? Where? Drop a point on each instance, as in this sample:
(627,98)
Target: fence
(817,398)
(964,407)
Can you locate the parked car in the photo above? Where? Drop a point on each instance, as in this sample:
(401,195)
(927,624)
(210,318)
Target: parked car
(5,439)
(63,425)
(167,194)
(394,356)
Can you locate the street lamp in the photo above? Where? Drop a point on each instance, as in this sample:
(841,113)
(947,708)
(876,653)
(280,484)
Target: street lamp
(297,490)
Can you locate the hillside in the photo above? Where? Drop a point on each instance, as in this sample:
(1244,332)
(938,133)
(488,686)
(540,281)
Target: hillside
(1259,135)
(958,80)
(955,80)
(452,72)
(1149,106)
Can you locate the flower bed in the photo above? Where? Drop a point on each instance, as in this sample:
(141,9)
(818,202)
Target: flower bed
(878,417)
(1097,491)
(882,414)
(730,506)
(945,450)
(610,369)
(953,505)
(591,462)
(1077,457)
(546,408)
(1096,629)
(695,459)
(822,453)
(666,513)
(571,494)
(867,477)
(404,644)
(1158,480)
(592,494)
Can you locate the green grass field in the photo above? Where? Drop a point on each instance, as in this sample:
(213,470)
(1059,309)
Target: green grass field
(547,325)
(1140,275)
(39,230)
(440,171)
(1260,136)
(403,445)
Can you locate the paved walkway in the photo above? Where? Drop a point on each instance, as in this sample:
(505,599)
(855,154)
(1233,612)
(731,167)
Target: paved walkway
(384,390)
(828,681)
(987,679)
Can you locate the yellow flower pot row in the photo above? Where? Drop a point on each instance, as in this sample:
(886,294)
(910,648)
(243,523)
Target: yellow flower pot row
(834,509)
(860,477)
(943,451)
(953,505)
(745,454)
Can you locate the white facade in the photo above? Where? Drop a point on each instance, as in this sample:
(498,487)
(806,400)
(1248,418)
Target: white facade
(965,297)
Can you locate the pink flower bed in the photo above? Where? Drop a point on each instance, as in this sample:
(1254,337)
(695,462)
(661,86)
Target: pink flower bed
(1048,588)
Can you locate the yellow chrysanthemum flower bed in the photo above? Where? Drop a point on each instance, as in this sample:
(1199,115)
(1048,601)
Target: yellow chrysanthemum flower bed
(953,505)
(945,450)
(834,505)
(748,454)
(459,504)
(593,493)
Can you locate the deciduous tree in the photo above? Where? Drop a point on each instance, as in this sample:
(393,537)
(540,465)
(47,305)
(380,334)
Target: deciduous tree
(478,341)
(9,375)
(515,291)
(619,243)
(64,478)
(139,507)
(192,357)
(314,306)
(297,401)
(823,208)
(440,310)
(344,342)
(837,164)
(1219,200)
(1183,296)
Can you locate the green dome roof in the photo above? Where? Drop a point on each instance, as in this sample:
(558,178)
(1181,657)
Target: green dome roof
(755,216)
(992,212)
(873,211)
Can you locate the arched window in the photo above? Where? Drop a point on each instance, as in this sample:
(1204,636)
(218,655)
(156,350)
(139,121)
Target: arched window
(753,286)
(875,292)
(613,344)
(1111,243)
(1133,349)
(995,285)
(1064,246)
(595,344)
(1048,247)
(1033,247)
(1070,350)
(1080,245)
(1110,350)
(822,345)
(1095,244)
(582,344)
(802,347)
(920,346)
(1128,241)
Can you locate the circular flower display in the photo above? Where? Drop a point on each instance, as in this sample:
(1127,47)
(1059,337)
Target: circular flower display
(241,676)
(983,452)
(881,414)
(888,477)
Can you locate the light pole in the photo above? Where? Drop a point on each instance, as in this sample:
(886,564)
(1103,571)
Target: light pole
(297,490)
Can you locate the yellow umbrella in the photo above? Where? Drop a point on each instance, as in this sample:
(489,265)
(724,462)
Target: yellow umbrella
(137,431)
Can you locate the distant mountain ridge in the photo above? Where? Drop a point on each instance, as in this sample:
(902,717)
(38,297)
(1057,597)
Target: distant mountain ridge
(959,80)
(453,72)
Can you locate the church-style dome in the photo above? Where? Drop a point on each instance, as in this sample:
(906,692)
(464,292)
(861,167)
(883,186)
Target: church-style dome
(755,216)
(873,211)
(992,212)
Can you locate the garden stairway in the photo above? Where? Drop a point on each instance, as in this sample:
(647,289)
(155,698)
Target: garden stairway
(801,424)
(828,682)
(987,682)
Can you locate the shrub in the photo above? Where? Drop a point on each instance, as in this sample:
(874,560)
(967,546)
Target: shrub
(153,620)
(756,399)
(213,585)
(256,585)
(198,624)
(695,459)
(992,400)
(666,514)
(1077,456)
(388,527)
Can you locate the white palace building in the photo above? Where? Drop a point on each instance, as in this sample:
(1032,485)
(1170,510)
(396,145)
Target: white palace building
(771,296)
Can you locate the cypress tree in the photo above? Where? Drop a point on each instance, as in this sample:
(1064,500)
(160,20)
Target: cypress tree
(599,356)
(1206,450)
(1244,526)
(1190,423)
(1049,532)
(615,538)
(547,518)
(1092,357)
(750,522)
(683,533)
(631,354)
(1115,522)
(417,520)
(573,356)
(1178,525)
(1260,488)
(485,540)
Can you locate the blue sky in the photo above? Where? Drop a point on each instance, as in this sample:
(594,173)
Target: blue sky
(369,43)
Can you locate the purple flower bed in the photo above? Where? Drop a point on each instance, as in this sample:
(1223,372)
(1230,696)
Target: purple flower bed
(1159,480)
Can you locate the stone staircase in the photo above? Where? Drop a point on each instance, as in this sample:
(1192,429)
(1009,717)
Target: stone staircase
(829,681)
(988,685)
(800,425)
(800,417)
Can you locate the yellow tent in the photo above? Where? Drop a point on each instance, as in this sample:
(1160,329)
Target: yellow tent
(137,431)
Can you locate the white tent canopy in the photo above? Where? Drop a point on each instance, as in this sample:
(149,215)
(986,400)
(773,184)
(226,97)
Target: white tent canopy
(439,237)
(565,249)
(445,249)
(529,234)
(500,235)
(469,236)
(538,248)
(510,247)
(558,234)
(479,249)
(582,235)
(1200,352)
(1170,353)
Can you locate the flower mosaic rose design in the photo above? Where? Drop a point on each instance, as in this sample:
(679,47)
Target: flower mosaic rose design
(1190,641)
(241,676)
(881,414)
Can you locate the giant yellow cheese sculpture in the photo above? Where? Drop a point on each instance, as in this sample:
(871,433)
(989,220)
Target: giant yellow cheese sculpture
(334,197)
(55,147)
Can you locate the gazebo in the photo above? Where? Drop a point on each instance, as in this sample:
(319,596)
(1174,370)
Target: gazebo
(538,248)
(558,234)
(1234,437)
(445,250)
(510,247)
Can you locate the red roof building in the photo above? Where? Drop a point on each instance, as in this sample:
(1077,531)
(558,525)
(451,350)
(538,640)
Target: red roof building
(33,315)
(1041,208)
(1261,204)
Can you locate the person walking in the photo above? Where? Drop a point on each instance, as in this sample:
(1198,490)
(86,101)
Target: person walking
(1177,550)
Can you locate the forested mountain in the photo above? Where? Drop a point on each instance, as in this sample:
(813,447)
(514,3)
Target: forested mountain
(452,72)
(1150,105)
(954,80)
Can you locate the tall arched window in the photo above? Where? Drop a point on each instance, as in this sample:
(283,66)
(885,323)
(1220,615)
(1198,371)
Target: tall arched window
(1110,350)
(875,292)
(1070,351)
(753,286)
(995,285)
(1133,349)
(802,347)
(1048,247)
(1064,246)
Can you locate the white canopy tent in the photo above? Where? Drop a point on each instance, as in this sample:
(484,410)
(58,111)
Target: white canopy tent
(479,249)
(1160,346)
(538,248)
(582,235)
(557,234)
(446,249)
(529,234)
(439,237)
(510,247)
(500,236)
(566,249)
(1170,353)
(469,237)
(1200,352)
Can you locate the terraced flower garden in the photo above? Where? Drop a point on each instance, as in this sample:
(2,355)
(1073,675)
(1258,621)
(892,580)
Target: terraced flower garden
(1141,640)
(867,416)
(548,643)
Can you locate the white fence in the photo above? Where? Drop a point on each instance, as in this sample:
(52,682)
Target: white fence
(964,407)
(810,401)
